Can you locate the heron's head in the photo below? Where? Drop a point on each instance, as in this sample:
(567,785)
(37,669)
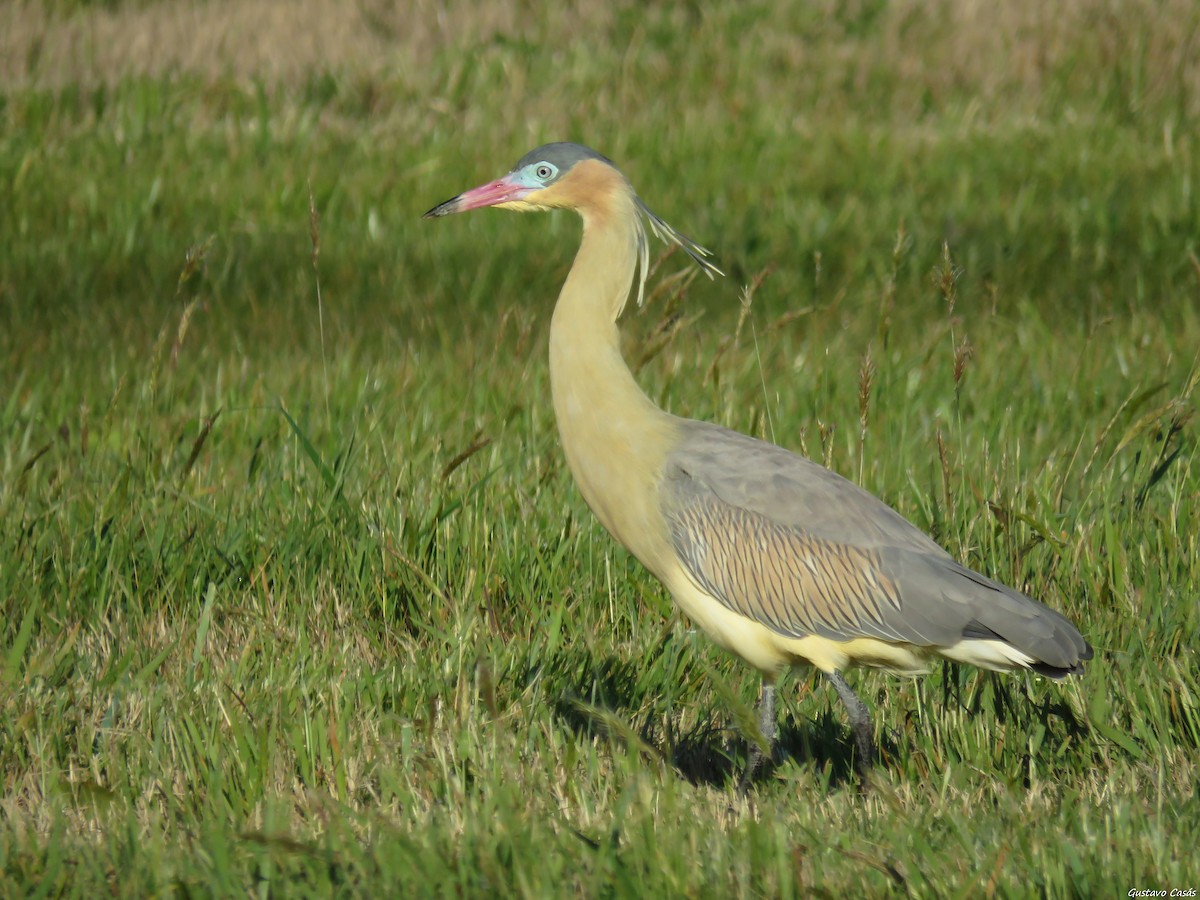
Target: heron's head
(554,176)
(571,176)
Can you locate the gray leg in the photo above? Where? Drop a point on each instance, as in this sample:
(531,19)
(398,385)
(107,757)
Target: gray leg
(766,724)
(860,723)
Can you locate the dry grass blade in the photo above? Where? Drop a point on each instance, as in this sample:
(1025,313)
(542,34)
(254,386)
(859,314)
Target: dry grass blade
(477,443)
(198,444)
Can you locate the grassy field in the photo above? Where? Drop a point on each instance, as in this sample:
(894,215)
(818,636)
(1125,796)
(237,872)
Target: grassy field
(296,593)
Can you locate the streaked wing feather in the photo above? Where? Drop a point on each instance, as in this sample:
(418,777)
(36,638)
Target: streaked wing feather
(785,577)
(800,549)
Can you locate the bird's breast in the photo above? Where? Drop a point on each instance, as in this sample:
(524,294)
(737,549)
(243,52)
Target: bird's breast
(617,463)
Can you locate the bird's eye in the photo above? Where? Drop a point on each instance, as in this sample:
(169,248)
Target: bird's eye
(545,171)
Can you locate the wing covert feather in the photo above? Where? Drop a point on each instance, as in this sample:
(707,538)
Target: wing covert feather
(801,550)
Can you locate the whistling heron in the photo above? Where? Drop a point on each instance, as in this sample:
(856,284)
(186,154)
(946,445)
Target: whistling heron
(776,558)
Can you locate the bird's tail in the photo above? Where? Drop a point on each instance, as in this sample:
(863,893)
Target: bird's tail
(1052,645)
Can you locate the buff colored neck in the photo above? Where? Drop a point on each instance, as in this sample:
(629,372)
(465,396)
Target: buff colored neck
(614,437)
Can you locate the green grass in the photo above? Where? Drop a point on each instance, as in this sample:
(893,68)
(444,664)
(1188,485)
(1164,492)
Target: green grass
(298,597)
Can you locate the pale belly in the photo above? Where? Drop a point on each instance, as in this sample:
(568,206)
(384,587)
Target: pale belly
(773,653)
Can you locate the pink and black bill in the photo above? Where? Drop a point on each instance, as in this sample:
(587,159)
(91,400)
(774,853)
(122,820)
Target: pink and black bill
(502,190)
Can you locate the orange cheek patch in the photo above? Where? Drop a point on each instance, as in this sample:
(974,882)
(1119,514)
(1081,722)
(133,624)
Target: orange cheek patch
(590,185)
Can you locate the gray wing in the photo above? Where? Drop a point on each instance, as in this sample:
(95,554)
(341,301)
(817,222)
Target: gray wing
(796,547)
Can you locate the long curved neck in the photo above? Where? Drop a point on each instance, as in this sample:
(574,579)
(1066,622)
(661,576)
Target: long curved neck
(586,366)
(614,437)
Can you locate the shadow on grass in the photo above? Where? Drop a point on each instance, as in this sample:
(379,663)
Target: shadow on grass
(711,750)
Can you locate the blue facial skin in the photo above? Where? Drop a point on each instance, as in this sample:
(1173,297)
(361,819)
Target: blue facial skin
(535,176)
